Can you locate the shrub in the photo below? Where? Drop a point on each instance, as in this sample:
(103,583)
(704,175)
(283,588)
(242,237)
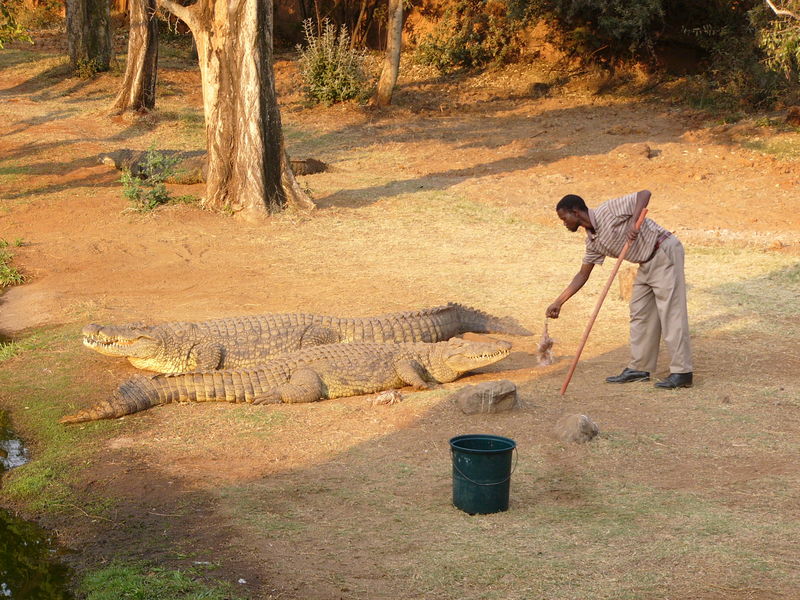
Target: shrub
(603,29)
(473,33)
(147,189)
(737,76)
(42,14)
(331,70)
(86,68)
(10,27)
(779,39)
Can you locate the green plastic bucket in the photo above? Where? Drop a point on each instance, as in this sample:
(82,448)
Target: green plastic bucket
(481,472)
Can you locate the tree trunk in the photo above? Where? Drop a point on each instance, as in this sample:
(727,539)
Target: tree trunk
(358,37)
(248,169)
(89,33)
(138,90)
(391,64)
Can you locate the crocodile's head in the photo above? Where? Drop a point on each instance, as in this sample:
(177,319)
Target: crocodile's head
(448,360)
(134,340)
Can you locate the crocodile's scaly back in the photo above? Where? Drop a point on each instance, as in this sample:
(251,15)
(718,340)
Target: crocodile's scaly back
(329,371)
(234,342)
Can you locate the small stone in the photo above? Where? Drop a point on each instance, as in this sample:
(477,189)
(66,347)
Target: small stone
(575,428)
(486,398)
(634,150)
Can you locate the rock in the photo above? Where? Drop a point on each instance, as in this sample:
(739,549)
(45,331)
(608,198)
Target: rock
(488,397)
(575,428)
(634,150)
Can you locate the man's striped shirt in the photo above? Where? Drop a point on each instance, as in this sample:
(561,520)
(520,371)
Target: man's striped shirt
(611,221)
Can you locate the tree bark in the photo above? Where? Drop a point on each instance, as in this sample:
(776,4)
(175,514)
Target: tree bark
(248,169)
(89,33)
(358,37)
(138,89)
(391,64)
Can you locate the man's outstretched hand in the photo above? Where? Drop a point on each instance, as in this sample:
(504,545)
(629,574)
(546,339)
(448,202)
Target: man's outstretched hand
(553,311)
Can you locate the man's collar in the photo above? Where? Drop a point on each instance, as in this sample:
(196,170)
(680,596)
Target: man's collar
(590,233)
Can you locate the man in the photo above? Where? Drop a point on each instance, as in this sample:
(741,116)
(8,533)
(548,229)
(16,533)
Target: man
(658,301)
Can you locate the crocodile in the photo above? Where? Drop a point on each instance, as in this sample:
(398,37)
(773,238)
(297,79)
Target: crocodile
(191,165)
(236,342)
(317,373)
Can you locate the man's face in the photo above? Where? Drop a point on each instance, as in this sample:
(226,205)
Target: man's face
(569,218)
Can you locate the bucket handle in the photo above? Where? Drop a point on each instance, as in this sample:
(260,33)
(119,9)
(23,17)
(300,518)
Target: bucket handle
(513,468)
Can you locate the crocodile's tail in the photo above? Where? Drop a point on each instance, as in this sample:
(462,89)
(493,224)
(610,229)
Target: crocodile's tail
(480,322)
(138,393)
(141,392)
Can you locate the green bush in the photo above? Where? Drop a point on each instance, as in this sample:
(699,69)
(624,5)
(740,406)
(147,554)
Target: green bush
(332,71)
(146,190)
(43,14)
(737,77)
(779,39)
(10,27)
(86,68)
(603,29)
(473,33)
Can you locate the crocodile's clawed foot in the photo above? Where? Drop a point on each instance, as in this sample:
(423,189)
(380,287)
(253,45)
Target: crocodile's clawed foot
(270,397)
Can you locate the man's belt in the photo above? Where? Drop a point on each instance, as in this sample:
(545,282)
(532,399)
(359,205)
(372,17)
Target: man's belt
(659,241)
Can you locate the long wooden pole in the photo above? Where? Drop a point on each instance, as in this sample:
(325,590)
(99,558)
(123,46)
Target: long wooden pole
(600,300)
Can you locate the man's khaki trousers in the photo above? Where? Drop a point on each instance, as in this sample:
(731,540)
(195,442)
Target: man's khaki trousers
(658,309)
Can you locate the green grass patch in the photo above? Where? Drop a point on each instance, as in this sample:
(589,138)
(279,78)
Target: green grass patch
(37,384)
(9,275)
(12,173)
(141,582)
(13,348)
(779,146)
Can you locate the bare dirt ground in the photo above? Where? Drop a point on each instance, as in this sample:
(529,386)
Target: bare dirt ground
(447,196)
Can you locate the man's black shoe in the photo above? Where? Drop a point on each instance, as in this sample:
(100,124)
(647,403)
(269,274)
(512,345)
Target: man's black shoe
(629,375)
(675,380)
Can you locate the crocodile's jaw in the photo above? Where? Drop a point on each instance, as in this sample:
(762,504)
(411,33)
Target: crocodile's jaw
(452,358)
(123,341)
(139,347)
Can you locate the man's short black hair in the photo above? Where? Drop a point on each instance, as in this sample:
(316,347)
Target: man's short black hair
(571,202)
